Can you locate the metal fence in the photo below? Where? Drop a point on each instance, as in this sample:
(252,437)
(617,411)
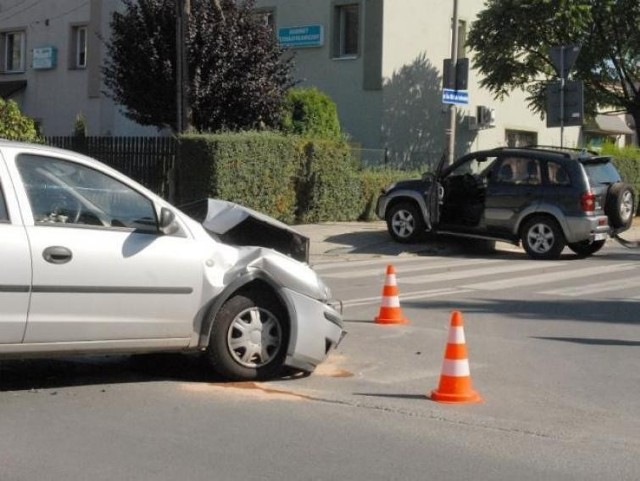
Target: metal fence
(375,159)
(148,160)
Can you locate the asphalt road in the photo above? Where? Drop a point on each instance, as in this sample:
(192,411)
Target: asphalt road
(553,351)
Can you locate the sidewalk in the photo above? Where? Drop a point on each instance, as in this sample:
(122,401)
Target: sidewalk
(343,241)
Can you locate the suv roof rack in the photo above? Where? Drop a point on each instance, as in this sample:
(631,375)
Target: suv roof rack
(567,151)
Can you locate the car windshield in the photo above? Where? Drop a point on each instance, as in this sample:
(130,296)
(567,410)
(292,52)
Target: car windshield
(601,173)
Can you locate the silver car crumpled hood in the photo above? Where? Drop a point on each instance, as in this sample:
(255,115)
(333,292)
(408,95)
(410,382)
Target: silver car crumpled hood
(237,225)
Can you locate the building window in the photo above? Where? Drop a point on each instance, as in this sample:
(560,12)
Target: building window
(520,138)
(267,18)
(13,51)
(79,47)
(346,31)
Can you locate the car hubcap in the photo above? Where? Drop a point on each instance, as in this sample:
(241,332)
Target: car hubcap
(254,337)
(626,206)
(540,238)
(403,223)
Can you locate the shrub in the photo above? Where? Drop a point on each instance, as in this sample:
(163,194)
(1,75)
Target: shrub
(255,169)
(311,113)
(329,188)
(14,125)
(627,160)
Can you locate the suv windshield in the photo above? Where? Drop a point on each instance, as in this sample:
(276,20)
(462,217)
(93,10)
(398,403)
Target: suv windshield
(602,173)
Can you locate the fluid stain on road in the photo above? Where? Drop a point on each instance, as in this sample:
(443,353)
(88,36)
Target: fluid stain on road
(253,389)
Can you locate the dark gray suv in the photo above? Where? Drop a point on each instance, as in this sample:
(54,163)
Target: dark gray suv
(545,197)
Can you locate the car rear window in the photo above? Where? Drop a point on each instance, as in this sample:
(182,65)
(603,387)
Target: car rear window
(601,173)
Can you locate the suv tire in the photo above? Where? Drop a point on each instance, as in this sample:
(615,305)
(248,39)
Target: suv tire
(586,248)
(620,205)
(542,238)
(404,222)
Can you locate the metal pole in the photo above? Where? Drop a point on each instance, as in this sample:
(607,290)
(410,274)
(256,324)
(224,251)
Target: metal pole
(562,82)
(182,72)
(450,133)
(179,52)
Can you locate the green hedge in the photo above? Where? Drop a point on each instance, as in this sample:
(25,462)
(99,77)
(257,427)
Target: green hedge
(253,169)
(291,178)
(627,160)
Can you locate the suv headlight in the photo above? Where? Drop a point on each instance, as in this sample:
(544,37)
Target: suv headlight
(388,187)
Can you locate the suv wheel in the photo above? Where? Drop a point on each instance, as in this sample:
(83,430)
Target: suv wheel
(405,222)
(586,248)
(620,205)
(542,238)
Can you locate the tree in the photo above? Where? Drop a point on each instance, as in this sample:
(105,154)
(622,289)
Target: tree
(511,40)
(238,74)
(308,111)
(14,125)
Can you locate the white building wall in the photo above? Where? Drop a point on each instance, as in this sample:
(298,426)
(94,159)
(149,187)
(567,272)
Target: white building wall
(55,97)
(407,115)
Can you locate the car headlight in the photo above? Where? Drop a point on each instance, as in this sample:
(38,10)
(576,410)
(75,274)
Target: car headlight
(325,292)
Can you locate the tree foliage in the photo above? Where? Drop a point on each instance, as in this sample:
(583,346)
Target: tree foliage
(511,41)
(310,112)
(14,125)
(238,74)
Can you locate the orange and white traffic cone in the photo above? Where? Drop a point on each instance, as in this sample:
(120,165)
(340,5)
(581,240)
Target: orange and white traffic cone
(390,312)
(455,380)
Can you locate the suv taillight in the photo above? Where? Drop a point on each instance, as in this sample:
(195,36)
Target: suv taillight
(588,202)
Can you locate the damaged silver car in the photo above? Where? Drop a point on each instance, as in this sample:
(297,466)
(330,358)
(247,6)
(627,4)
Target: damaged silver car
(94,263)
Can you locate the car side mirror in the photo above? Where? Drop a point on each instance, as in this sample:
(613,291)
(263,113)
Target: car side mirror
(168,223)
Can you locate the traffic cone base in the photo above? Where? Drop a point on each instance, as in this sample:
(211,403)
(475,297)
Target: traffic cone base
(455,379)
(454,389)
(390,312)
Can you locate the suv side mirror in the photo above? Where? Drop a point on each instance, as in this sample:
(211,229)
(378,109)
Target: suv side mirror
(168,223)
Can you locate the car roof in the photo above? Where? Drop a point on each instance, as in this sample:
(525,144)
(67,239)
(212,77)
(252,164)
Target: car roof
(557,153)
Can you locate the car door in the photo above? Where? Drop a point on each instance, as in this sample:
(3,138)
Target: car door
(15,265)
(102,271)
(514,187)
(434,194)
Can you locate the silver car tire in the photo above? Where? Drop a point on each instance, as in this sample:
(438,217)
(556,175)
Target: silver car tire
(542,238)
(405,223)
(248,338)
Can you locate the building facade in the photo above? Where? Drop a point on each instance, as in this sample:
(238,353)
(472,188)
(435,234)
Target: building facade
(51,55)
(381,61)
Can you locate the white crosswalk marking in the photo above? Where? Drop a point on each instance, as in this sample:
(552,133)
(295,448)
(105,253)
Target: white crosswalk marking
(422,267)
(505,268)
(475,274)
(548,278)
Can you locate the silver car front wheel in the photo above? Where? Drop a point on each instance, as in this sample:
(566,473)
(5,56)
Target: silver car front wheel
(249,337)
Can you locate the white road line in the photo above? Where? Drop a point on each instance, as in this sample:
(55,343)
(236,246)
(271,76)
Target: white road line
(412,295)
(400,271)
(383,261)
(596,288)
(506,267)
(550,277)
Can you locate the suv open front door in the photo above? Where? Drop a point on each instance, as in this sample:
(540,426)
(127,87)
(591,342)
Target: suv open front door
(433,196)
